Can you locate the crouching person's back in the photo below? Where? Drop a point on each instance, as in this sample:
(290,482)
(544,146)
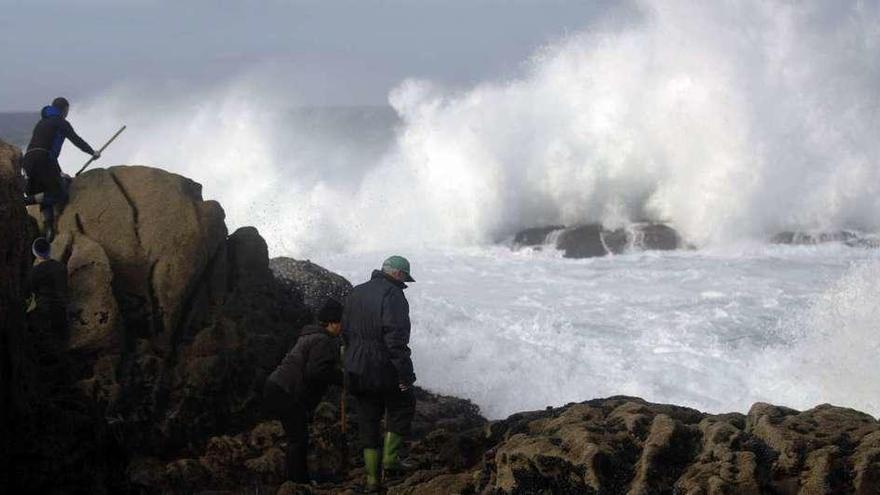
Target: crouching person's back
(295,388)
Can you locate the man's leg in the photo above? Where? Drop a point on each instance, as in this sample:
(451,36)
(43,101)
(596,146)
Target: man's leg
(296,426)
(401,411)
(55,196)
(370,410)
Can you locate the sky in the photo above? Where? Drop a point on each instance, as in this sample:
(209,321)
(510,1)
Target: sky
(329,52)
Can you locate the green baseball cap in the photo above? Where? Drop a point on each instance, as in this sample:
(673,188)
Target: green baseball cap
(399,263)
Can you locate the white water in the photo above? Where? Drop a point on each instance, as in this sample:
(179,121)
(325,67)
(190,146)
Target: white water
(730,120)
(713,330)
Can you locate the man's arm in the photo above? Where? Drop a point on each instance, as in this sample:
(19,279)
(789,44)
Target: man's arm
(70,134)
(396,328)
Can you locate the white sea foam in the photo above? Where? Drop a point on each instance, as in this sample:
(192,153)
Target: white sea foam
(730,120)
(713,330)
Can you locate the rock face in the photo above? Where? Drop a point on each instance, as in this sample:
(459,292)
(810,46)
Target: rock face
(174,328)
(14,262)
(314,282)
(627,445)
(594,240)
(616,445)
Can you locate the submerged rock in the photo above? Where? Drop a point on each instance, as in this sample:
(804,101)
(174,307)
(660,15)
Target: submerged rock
(812,238)
(535,236)
(594,240)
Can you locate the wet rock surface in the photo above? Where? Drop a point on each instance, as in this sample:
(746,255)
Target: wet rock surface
(313,282)
(594,240)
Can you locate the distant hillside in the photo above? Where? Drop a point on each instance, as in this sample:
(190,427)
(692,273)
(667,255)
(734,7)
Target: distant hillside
(16,127)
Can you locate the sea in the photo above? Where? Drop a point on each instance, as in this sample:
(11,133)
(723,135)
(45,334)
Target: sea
(730,122)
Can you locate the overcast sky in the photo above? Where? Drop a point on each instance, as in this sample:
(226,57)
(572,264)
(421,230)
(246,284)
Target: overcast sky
(329,52)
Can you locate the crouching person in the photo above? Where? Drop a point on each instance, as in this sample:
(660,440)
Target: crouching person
(295,388)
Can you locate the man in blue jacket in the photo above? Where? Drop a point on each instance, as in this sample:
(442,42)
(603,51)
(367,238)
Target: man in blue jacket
(46,186)
(375,329)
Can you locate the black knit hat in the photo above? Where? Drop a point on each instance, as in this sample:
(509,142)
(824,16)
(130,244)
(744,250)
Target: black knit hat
(60,103)
(330,312)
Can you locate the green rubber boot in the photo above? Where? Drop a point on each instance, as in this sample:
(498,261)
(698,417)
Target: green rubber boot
(392,465)
(371,465)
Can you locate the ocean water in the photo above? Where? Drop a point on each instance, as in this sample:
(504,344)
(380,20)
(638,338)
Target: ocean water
(716,330)
(731,121)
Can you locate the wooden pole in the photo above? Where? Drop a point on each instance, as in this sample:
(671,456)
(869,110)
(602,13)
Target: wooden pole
(101,150)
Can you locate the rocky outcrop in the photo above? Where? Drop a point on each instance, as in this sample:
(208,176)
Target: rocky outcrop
(315,283)
(14,262)
(615,445)
(627,445)
(174,327)
(594,240)
(159,236)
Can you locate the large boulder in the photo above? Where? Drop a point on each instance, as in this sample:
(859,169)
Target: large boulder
(314,282)
(174,328)
(159,237)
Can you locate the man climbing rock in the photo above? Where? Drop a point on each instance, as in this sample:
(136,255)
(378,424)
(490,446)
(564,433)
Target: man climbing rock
(48,284)
(376,330)
(46,184)
(294,389)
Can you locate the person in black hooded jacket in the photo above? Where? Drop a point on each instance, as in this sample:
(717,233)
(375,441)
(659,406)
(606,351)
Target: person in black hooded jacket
(46,186)
(295,388)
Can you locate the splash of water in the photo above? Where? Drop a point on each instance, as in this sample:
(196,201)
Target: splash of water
(729,120)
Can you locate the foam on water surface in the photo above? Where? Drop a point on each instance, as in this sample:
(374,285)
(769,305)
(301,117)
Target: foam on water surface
(715,331)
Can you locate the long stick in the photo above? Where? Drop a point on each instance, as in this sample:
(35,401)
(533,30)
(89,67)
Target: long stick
(101,150)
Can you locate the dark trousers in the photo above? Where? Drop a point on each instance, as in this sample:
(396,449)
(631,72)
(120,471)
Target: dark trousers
(295,420)
(400,408)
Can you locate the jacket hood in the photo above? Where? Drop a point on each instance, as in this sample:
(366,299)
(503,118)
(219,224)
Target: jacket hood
(381,274)
(50,111)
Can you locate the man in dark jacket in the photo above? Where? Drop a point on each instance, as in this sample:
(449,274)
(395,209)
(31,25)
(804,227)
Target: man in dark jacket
(48,284)
(46,186)
(376,330)
(295,388)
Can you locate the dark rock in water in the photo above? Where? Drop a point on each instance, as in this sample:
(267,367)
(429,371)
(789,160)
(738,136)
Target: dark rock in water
(616,241)
(534,236)
(314,282)
(593,240)
(582,242)
(656,237)
(808,238)
(868,242)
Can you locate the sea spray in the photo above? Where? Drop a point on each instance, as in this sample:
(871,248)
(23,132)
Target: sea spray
(729,120)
